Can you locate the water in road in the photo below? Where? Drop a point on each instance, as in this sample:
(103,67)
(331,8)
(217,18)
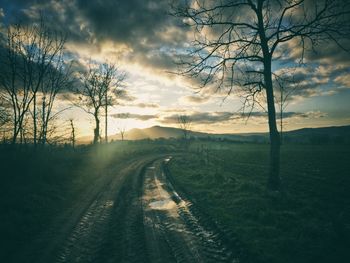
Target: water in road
(142,219)
(173,232)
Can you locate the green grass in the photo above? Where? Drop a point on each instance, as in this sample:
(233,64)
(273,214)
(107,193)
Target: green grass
(36,186)
(310,222)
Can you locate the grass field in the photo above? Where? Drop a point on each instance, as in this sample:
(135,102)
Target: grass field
(309,222)
(37,185)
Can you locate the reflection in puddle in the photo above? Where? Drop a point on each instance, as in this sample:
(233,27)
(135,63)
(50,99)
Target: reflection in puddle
(167,159)
(163,205)
(109,203)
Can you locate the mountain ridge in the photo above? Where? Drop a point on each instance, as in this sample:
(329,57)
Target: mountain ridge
(157,132)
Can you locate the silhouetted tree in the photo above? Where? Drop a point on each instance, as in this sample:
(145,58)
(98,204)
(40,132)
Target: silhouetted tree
(286,87)
(113,82)
(122,132)
(72,137)
(185,123)
(236,41)
(4,114)
(56,80)
(29,52)
(99,90)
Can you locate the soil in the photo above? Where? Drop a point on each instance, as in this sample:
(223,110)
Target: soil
(134,216)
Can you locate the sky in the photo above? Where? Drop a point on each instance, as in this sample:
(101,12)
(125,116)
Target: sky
(145,41)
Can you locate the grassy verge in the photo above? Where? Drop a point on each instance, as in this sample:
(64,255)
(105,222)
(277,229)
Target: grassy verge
(309,223)
(38,185)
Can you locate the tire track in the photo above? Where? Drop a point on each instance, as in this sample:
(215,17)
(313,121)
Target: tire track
(111,228)
(187,235)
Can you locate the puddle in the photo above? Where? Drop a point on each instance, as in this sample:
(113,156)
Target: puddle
(167,159)
(109,203)
(163,205)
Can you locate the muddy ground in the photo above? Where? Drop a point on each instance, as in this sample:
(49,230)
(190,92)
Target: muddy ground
(134,216)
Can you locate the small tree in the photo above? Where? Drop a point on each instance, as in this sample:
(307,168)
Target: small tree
(122,132)
(185,123)
(286,88)
(72,136)
(113,82)
(96,93)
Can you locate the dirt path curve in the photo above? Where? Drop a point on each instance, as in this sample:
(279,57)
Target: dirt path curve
(137,216)
(174,232)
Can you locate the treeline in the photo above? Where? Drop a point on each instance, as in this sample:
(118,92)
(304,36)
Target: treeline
(34,71)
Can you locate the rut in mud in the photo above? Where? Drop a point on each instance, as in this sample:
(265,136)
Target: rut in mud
(174,233)
(139,217)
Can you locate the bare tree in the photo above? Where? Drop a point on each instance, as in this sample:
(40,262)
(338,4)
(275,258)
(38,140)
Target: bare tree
(57,79)
(40,62)
(184,122)
(286,87)
(236,42)
(5,117)
(72,137)
(122,132)
(113,82)
(96,93)
(12,79)
(29,52)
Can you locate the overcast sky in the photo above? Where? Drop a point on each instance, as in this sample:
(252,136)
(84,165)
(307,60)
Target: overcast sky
(145,40)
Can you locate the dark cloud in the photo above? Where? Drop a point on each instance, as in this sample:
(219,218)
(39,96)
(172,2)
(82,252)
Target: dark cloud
(127,115)
(124,96)
(196,99)
(152,36)
(147,105)
(144,26)
(221,117)
(132,21)
(201,117)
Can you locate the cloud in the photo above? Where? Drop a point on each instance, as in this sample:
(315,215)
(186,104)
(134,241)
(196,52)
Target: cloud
(125,97)
(195,99)
(200,117)
(304,115)
(146,105)
(225,116)
(343,80)
(126,115)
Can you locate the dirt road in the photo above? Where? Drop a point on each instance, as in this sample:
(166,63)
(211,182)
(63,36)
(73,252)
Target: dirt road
(137,216)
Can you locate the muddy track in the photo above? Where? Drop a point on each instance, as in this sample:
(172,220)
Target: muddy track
(136,216)
(175,228)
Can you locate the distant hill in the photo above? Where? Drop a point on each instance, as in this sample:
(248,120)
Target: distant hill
(157,132)
(154,132)
(338,134)
(305,135)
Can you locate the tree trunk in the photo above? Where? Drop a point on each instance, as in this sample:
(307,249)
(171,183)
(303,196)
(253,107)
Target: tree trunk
(97,128)
(281,117)
(274,181)
(73,134)
(281,127)
(15,133)
(34,121)
(106,111)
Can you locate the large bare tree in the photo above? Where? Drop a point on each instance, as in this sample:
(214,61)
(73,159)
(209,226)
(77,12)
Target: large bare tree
(236,42)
